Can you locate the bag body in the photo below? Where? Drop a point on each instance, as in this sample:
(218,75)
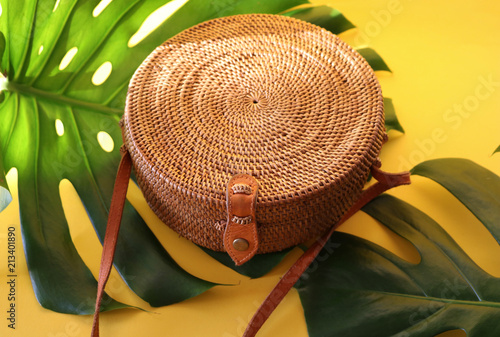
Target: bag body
(273,97)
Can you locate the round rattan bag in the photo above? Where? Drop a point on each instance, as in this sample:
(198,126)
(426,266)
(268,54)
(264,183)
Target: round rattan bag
(280,102)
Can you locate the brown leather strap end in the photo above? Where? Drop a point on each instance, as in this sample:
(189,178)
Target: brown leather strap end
(112,229)
(385,181)
(241,240)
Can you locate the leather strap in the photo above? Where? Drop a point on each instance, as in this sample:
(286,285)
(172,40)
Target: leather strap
(240,237)
(112,229)
(385,181)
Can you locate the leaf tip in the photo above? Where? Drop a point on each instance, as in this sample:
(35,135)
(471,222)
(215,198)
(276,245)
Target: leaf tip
(391,120)
(496,150)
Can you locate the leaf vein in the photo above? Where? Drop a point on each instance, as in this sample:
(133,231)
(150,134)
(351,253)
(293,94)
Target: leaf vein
(62,99)
(14,122)
(428,298)
(51,50)
(86,160)
(36,165)
(464,277)
(27,45)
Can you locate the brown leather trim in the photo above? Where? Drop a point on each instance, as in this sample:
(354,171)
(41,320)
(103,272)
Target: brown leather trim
(112,229)
(241,223)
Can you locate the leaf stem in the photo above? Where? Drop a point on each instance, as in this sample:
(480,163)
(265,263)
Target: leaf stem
(23,89)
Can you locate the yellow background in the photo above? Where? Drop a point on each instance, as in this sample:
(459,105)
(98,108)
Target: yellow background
(441,52)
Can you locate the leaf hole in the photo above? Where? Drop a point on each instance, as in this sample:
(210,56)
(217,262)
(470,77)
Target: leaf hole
(100,7)
(40,50)
(154,20)
(105,141)
(59,127)
(102,73)
(3,87)
(1,10)
(3,82)
(66,60)
(84,236)
(452,333)
(457,220)
(56,5)
(79,225)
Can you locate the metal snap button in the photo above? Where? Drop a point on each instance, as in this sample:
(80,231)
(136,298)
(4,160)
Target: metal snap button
(240,244)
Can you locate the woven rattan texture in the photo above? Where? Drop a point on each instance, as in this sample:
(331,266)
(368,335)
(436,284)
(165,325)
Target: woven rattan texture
(271,96)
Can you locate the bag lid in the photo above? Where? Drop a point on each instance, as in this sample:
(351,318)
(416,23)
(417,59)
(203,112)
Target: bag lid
(279,99)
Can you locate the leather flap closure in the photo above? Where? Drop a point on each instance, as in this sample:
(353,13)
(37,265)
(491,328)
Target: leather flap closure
(240,238)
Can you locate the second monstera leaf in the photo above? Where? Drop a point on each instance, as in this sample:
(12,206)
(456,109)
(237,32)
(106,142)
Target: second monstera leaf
(361,289)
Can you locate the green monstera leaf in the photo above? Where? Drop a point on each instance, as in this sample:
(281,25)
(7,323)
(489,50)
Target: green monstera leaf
(53,114)
(67,65)
(362,289)
(323,16)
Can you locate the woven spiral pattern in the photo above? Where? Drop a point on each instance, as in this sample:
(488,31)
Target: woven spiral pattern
(271,96)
